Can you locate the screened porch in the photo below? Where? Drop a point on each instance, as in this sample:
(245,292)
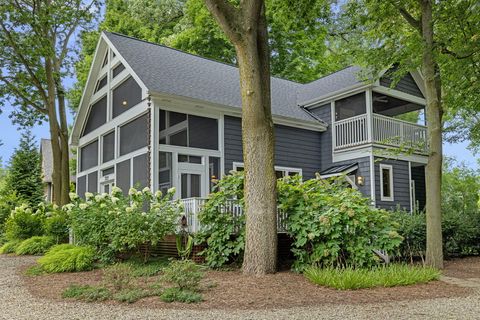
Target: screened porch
(380,120)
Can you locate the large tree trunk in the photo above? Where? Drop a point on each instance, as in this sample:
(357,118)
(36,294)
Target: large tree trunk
(246,28)
(431,74)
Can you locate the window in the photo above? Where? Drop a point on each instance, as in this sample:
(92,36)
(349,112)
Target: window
(81,186)
(89,156)
(101,83)
(140,171)
(350,107)
(108,147)
(280,172)
(93,182)
(179,129)
(127,95)
(134,135)
(123,175)
(105,60)
(165,171)
(116,71)
(386,182)
(97,116)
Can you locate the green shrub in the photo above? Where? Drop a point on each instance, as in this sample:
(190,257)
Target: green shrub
(387,276)
(116,223)
(223,232)
(184,274)
(35,270)
(8,202)
(68,259)
(412,227)
(24,223)
(119,276)
(56,226)
(10,246)
(131,295)
(35,245)
(87,293)
(179,295)
(333,225)
(147,269)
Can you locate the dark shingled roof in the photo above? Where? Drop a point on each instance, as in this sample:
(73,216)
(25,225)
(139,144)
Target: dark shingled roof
(337,170)
(166,70)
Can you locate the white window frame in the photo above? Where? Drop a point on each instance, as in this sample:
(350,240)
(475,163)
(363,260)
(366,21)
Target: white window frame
(286,170)
(390,175)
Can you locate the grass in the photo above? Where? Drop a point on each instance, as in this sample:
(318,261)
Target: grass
(10,246)
(388,276)
(179,295)
(35,245)
(35,270)
(147,269)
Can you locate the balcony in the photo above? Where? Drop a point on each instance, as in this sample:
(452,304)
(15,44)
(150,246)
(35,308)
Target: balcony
(385,131)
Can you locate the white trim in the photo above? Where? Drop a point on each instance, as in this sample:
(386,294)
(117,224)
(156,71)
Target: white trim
(369,111)
(410,184)
(371,149)
(400,95)
(373,195)
(335,95)
(340,173)
(286,170)
(388,167)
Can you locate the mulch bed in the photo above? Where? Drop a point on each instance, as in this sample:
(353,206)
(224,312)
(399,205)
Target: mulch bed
(285,289)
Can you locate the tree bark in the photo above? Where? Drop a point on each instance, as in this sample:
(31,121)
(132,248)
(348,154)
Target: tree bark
(246,27)
(434,113)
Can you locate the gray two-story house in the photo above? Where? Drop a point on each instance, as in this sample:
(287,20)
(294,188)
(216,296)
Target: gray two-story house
(159,117)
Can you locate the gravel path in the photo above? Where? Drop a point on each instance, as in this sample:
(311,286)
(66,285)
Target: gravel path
(17,303)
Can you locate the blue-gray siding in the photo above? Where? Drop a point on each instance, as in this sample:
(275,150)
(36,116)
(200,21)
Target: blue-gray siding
(401,184)
(406,84)
(418,175)
(324,112)
(294,147)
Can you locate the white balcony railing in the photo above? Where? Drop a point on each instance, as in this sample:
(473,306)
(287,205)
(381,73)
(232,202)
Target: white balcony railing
(385,130)
(193,207)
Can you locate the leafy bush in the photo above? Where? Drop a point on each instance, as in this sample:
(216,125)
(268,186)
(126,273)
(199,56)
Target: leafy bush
(223,232)
(131,295)
(334,226)
(119,276)
(24,223)
(387,276)
(412,227)
(8,202)
(56,225)
(87,293)
(10,246)
(184,274)
(115,223)
(179,295)
(68,259)
(35,245)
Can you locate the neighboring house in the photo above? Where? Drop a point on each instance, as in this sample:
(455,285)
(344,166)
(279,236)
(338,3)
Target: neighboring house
(46,157)
(158,117)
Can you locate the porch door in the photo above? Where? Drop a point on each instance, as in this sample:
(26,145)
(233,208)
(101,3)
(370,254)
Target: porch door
(191,180)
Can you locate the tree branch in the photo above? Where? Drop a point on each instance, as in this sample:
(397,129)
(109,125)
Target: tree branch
(226,15)
(22,95)
(408,17)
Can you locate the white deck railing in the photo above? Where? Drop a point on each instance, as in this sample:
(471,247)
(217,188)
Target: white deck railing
(385,130)
(193,206)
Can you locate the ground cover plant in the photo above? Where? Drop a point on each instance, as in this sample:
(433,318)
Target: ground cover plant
(35,245)
(68,258)
(385,276)
(10,246)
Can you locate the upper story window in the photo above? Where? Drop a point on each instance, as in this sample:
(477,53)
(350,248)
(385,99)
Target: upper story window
(108,144)
(101,83)
(134,135)
(105,60)
(386,182)
(125,96)
(97,116)
(180,129)
(350,106)
(89,156)
(116,71)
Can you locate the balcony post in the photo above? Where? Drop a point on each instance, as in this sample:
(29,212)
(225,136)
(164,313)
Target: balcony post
(369,106)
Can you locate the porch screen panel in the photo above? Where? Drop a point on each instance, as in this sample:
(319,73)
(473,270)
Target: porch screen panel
(134,135)
(214,171)
(82,186)
(165,171)
(108,147)
(89,156)
(350,107)
(140,171)
(123,176)
(127,95)
(203,132)
(97,116)
(93,182)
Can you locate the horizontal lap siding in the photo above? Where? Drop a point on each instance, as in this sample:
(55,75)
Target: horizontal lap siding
(406,84)
(294,147)
(324,113)
(401,185)
(418,175)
